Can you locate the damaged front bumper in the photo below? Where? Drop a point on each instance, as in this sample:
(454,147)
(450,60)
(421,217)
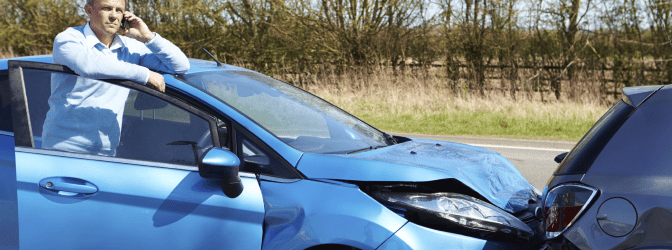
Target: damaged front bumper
(413,236)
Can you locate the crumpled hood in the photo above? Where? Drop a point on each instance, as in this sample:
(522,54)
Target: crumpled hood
(484,171)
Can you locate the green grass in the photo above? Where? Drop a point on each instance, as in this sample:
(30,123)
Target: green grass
(481,123)
(436,111)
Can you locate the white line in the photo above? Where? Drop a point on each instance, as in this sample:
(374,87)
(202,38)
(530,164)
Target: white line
(514,147)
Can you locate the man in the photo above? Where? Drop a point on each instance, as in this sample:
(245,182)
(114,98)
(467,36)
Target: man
(86,115)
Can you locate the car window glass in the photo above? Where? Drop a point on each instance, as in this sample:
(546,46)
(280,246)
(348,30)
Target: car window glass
(257,160)
(298,118)
(5,108)
(78,117)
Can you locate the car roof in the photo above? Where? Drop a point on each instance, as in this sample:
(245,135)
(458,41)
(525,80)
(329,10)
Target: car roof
(40,58)
(196,65)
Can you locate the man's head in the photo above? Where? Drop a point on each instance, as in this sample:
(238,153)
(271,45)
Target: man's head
(105,15)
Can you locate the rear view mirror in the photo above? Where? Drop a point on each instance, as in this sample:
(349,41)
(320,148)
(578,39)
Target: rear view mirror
(221,164)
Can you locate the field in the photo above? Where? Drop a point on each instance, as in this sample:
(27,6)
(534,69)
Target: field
(411,102)
(408,103)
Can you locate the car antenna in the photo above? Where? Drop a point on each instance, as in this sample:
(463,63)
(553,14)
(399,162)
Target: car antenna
(219,64)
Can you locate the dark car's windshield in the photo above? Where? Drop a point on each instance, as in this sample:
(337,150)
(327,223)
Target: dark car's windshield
(300,119)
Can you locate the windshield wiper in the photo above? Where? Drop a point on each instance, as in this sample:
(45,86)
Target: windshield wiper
(390,138)
(367,149)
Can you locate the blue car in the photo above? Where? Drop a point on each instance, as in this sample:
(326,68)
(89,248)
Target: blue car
(228,158)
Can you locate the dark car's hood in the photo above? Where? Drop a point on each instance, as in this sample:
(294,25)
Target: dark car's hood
(484,171)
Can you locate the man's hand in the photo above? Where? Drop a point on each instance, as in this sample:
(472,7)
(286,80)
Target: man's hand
(137,29)
(156,81)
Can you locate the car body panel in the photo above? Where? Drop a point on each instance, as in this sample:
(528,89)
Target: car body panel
(639,94)
(654,220)
(306,213)
(484,171)
(173,209)
(413,236)
(40,58)
(9,212)
(198,65)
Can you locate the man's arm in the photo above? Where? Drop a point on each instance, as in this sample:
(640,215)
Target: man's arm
(164,56)
(69,50)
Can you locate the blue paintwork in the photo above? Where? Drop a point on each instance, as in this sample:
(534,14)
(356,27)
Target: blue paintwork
(221,157)
(198,65)
(177,209)
(9,212)
(485,171)
(307,213)
(40,58)
(137,207)
(413,236)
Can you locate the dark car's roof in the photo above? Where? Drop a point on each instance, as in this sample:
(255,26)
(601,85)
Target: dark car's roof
(196,65)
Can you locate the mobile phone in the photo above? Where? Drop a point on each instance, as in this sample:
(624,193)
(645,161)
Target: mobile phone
(124,23)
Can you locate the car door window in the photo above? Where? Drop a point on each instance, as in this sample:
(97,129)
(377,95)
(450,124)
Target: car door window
(258,159)
(6,126)
(140,126)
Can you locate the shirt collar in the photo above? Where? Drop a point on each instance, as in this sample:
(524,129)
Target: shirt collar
(92,39)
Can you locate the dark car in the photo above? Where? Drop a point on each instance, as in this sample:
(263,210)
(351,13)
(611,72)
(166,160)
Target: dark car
(612,191)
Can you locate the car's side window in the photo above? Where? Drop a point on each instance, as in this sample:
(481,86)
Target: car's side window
(255,159)
(5,108)
(129,124)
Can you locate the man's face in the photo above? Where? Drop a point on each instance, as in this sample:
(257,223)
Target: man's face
(105,15)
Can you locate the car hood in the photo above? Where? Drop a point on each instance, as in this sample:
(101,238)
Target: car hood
(418,160)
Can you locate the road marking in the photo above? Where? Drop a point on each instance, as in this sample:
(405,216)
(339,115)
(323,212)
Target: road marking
(515,147)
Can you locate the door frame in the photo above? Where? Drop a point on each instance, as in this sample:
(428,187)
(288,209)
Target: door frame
(23,133)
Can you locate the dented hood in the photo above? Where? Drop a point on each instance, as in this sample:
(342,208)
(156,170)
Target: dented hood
(418,160)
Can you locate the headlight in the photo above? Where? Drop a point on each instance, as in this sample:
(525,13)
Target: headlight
(456,210)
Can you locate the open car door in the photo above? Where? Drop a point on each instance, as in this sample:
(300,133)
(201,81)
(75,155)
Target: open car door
(148,195)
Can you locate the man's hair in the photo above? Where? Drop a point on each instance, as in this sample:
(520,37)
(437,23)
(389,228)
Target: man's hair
(90,2)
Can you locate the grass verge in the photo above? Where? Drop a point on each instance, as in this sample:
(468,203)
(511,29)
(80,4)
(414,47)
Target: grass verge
(426,108)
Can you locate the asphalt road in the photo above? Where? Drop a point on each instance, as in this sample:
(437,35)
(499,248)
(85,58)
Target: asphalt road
(533,158)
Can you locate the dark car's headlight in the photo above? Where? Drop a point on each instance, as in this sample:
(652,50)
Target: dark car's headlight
(457,211)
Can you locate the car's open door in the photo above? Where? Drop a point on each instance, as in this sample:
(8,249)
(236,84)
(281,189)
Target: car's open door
(147,195)
(9,215)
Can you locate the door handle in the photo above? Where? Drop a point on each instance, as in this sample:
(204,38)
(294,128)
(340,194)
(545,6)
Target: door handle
(68,186)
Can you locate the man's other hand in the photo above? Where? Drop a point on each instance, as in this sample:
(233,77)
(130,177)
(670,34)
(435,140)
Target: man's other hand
(156,81)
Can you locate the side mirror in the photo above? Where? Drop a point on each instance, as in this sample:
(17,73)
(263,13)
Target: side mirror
(221,164)
(560,157)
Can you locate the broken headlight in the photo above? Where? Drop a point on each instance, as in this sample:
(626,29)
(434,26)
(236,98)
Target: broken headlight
(456,211)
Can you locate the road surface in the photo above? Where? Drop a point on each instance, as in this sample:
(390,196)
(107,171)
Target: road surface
(533,158)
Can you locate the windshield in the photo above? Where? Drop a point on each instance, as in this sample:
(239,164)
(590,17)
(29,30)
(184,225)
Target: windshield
(298,118)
